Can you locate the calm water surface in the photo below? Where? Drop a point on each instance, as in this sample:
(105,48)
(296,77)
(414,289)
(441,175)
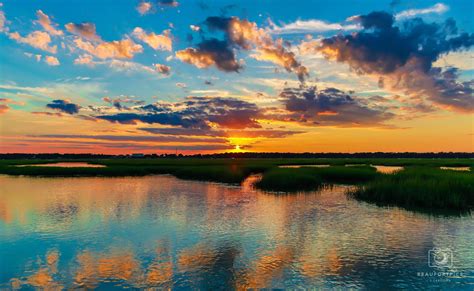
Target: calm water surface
(158,231)
(64,165)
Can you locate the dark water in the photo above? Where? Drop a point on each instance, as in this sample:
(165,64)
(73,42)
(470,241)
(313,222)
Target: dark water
(158,231)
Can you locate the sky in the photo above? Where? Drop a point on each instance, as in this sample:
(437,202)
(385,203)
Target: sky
(166,76)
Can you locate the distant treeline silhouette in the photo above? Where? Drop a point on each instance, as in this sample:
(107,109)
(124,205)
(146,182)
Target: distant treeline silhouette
(394,155)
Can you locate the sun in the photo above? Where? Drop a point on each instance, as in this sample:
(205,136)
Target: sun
(237,147)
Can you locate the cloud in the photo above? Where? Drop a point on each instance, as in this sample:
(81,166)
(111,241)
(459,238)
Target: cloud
(438,8)
(330,106)
(247,35)
(3,20)
(144,7)
(195,27)
(195,112)
(212,52)
(156,41)
(402,57)
(37,39)
(51,61)
(122,49)
(239,34)
(135,138)
(163,69)
(64,106)
(311,26)
(86,30)
(169,3)
(4,108)
(84,60)
(267,133)
(47,24)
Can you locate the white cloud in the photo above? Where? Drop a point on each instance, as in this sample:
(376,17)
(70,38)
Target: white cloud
(310,26)
(438,8)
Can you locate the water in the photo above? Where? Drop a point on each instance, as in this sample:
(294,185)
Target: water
(303,166)
(159,231)
(381,169)
(64,165)
(456,168)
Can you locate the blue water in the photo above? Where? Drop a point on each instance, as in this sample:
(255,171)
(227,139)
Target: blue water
(159,231)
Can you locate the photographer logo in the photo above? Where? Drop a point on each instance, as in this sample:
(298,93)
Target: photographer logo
(440,258)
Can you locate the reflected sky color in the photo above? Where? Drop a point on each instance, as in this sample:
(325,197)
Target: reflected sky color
(159,231)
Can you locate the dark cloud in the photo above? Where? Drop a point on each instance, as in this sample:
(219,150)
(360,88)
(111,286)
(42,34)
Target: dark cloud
(239,34)
(134,138)
(403,56)
(195,112)
(268,133)
(170,3)
(329,107)
(211,52)
(85,29)
(64,106)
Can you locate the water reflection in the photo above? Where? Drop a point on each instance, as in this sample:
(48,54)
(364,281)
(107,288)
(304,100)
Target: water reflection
(387,169)
(159,231)
(456,168)
(64,165)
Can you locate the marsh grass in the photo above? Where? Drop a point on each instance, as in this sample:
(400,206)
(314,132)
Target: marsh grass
(290,180)
(421,187)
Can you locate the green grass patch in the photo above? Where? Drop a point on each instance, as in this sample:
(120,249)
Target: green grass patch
(422,188)
(290,180)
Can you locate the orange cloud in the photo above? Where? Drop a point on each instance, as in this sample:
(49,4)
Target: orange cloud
(163,69)
(36,39)
(122,49)
(156,41)
(52,61)
(46,23)
(195,57)
(144,7)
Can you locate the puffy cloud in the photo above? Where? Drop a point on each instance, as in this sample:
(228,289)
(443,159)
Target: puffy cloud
(144,7)
(403,57)
(51,61)
(156,41)
(240,34)
(330,106)
(438,8)
(84,60)
(64,106)
(122,49)
(311,26)
(86,30)
(211,52)
(37,39)
(47,24)
(163,69)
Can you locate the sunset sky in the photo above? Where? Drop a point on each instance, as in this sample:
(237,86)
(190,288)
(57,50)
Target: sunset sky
(219,76)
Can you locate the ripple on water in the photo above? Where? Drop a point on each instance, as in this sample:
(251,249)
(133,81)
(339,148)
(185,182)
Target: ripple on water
(158,231)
